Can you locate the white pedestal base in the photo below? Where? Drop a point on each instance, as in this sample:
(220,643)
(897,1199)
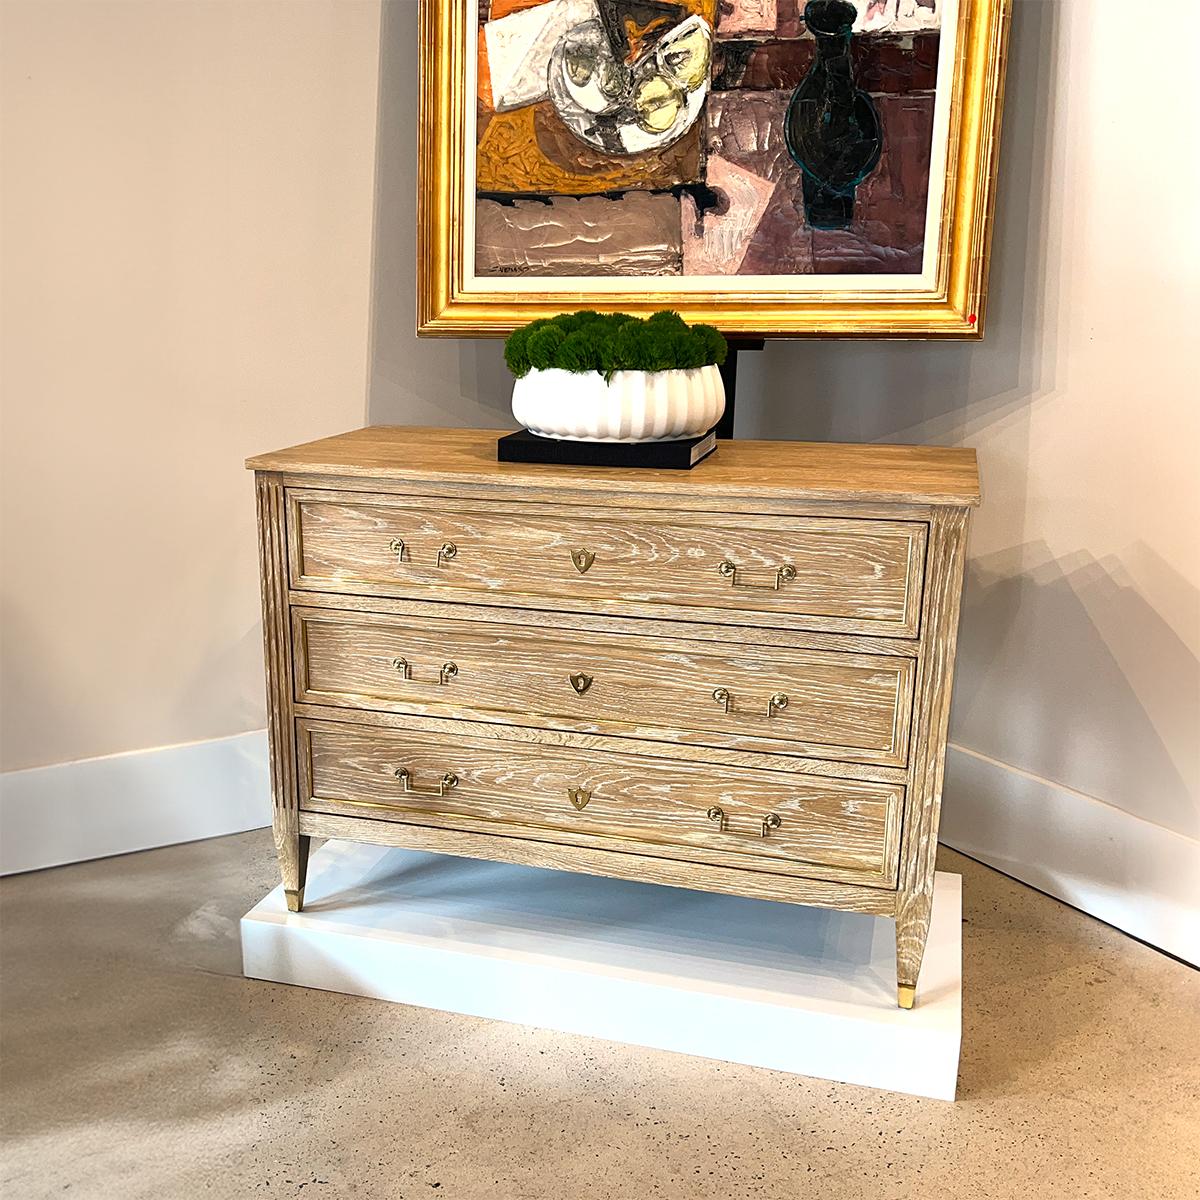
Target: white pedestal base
(748,981)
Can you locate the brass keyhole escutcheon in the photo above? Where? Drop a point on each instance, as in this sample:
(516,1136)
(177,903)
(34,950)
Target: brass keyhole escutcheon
(582,560)
(579,797)
(580,682)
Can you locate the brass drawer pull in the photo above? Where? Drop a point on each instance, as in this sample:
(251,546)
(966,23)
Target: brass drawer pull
(447,673)
(777,703)
(718,815)
(784,574)
(447,781)
(399,548)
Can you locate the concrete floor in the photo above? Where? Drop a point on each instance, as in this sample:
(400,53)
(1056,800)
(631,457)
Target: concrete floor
(137,1062)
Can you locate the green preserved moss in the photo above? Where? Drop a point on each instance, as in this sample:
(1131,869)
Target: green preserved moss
(611,342)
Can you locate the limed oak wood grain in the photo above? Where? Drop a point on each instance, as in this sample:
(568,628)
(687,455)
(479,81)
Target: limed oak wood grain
(559,491)
(547,735)
(823,705)
(799,470)
(291,846)
(943,598)
(583,624)
(833,828)
(849,576)
(621,864)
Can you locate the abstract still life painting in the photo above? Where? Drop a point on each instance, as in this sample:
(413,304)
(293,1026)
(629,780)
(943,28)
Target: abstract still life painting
(769,166)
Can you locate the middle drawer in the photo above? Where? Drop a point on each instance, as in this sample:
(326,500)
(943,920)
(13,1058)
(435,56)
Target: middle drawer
(810,703)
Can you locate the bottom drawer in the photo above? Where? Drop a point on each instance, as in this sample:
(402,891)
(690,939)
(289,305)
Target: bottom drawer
(803,825)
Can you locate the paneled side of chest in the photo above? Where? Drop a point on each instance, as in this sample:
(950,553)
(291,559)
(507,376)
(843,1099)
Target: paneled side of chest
(738,694)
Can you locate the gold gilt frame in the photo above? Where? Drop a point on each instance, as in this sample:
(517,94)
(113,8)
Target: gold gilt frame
(953,308)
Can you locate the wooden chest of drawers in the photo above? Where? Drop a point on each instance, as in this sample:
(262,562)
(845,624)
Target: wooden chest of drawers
(735,678)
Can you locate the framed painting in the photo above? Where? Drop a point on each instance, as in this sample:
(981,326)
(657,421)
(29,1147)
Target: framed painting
(772,167)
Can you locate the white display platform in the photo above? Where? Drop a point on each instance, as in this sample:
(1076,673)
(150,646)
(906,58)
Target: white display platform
(748,981)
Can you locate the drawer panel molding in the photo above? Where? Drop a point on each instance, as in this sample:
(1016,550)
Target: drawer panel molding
(849,707)
(822,573)
(792,824)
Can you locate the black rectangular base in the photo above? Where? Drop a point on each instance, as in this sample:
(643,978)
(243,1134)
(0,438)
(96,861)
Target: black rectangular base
(526,447)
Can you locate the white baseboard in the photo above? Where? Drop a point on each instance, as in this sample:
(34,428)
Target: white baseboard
(100,806)
(1128,872)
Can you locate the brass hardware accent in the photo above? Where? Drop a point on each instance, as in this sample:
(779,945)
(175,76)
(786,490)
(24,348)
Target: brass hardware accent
(784,574)
(447,673)
(398,547)
(295,899)
(447,781)
(906,994)
(579,797)
(776,703)
(582,560)
(718,814)
(580,682)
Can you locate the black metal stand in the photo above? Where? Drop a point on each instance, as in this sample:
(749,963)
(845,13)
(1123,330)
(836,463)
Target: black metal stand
(728,371)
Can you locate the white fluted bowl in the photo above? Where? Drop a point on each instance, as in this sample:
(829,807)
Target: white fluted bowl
(634,406)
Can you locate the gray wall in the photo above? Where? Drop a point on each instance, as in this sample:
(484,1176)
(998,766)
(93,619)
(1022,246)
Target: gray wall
(416,381)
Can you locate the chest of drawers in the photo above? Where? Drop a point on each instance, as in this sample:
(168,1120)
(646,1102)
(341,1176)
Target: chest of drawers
(735,679)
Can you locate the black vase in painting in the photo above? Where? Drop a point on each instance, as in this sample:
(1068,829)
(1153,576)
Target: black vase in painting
(832,128)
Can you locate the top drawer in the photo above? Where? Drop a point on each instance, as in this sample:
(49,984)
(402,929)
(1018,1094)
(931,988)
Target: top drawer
(841,575)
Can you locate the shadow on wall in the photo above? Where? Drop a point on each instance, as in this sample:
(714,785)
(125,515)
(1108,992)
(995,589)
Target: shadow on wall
(1067,671)
(416,381)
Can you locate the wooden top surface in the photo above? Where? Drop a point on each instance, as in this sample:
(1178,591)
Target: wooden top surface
(794,470)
